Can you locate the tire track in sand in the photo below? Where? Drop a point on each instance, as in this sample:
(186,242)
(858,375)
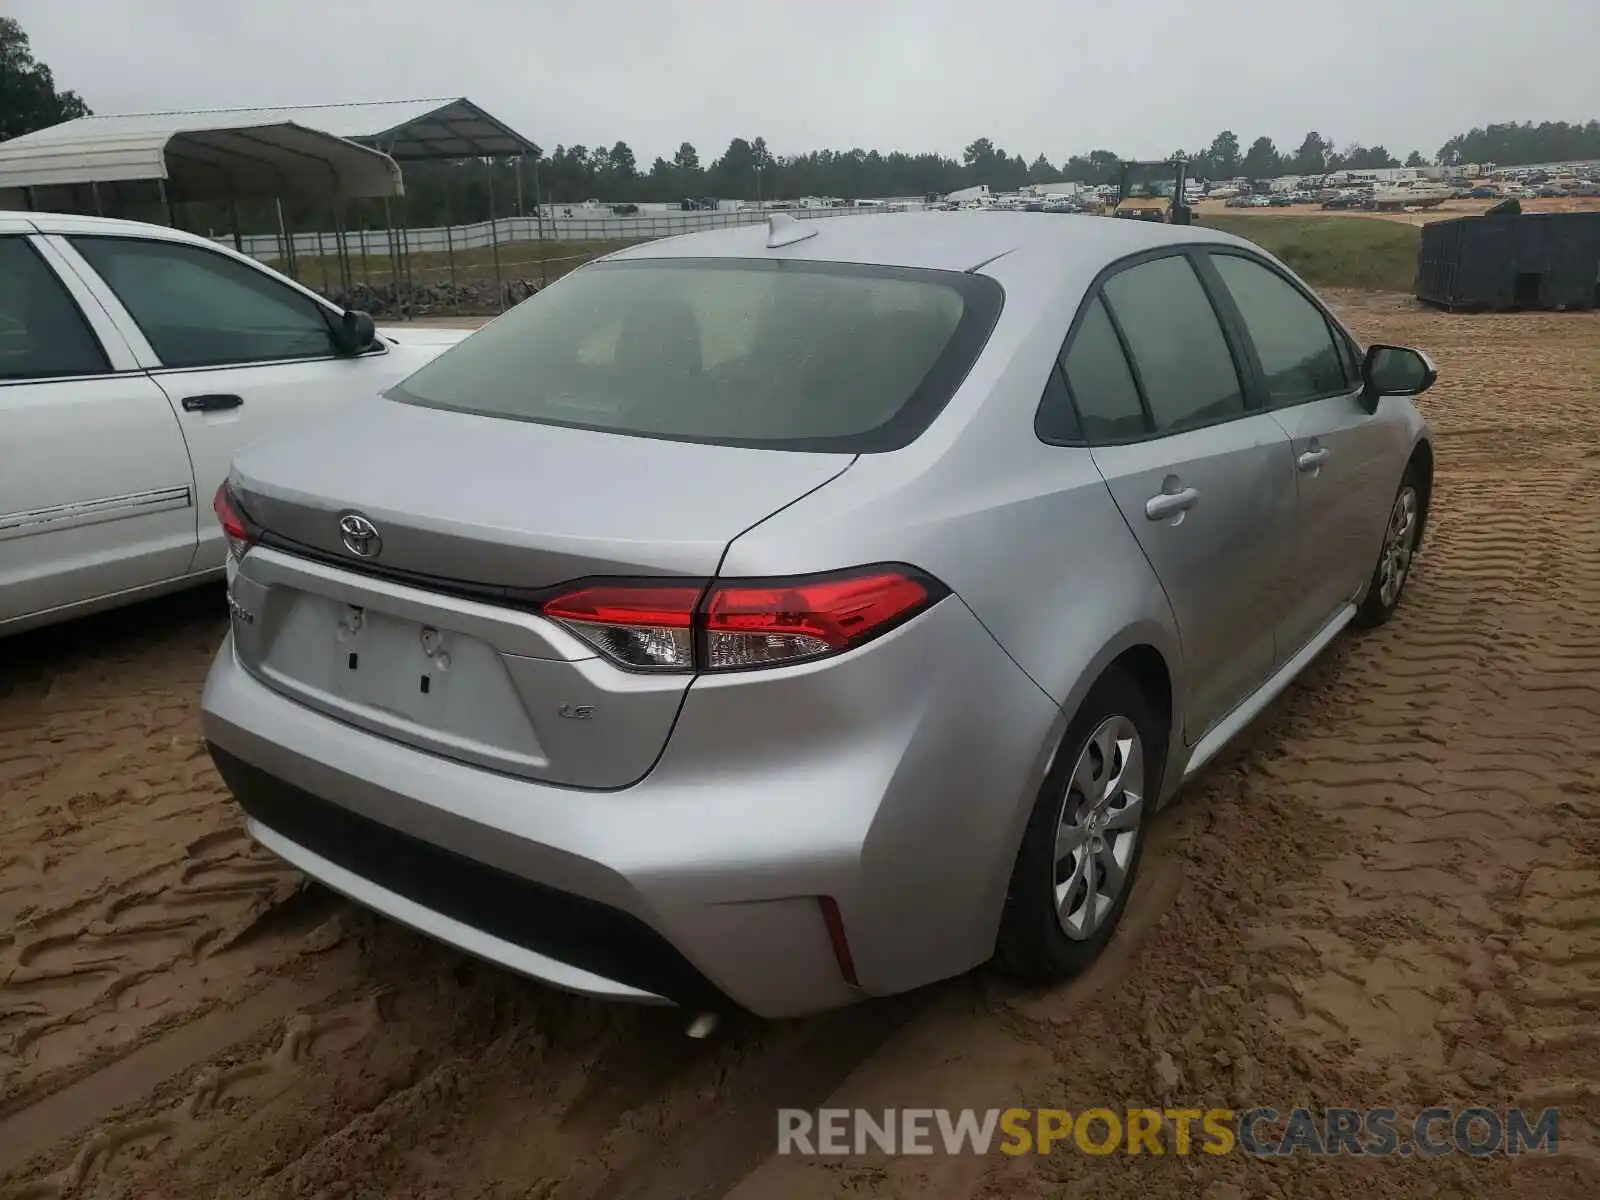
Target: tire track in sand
(1456,947)
(221,1102)
(131,903)
(1388,897)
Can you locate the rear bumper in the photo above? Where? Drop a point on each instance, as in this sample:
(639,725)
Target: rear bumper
(699,884)
(533,929)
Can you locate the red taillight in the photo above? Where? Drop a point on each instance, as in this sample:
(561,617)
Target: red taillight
(233,526)
(644,627)
(841,944)
(740,624)
(760,624)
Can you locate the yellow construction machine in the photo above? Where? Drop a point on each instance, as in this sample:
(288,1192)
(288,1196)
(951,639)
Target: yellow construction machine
(1153,191)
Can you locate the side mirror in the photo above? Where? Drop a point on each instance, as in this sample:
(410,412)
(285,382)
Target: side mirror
(1394,371)
(356,332)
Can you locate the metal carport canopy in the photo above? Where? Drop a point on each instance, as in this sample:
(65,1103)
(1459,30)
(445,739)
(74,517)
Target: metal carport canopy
(240,154)
(411,130)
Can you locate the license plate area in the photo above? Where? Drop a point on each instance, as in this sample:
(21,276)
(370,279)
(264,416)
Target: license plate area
(399,666)
(424,684)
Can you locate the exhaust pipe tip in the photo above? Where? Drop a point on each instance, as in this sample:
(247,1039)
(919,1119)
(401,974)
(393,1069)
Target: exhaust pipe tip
(703,1026)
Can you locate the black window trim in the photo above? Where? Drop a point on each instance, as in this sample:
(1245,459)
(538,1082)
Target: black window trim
(983,300)
(1132,364)
(1347,342)
(1225,299)
(1058,374)
(327,311)
(252,363)
(1244,369)
(1257,399)
(1352,354)
(106,371)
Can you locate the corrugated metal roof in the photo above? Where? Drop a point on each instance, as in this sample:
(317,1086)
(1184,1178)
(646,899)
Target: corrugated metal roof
(205,159)
(447,127)
(410,130)
(304,149)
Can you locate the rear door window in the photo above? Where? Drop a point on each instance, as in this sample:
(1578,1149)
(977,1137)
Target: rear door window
(42,332)
(1057,420)
(1101,383)
(1179,352)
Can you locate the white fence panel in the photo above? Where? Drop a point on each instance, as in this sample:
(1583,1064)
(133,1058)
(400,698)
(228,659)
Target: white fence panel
(585,225)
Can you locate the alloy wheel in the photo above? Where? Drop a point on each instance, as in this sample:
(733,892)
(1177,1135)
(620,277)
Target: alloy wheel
(1098,828)
(1399,542)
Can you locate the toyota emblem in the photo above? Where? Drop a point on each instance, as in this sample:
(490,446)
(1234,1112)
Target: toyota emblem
(360,536)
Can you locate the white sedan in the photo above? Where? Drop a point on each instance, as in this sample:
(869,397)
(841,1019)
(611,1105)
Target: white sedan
(134,361)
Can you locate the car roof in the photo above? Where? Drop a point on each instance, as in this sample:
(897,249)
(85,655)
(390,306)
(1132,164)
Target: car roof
(68,224)
(949,241)
(49,222)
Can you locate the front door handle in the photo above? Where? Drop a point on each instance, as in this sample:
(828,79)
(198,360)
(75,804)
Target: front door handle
(1312,459)
(1171,504)
(214,402)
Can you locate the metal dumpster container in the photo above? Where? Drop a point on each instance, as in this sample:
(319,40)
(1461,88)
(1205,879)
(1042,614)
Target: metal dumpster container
(1530,260)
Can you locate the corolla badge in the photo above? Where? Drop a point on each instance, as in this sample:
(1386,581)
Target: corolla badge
(360,536)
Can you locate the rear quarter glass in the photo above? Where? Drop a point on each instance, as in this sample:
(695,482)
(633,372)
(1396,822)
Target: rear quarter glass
(770,354)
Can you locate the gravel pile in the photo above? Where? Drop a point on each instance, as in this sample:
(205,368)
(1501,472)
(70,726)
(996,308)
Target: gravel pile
(467,297)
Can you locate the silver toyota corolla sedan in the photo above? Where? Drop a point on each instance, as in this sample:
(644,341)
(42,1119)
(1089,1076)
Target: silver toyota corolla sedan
(779,616)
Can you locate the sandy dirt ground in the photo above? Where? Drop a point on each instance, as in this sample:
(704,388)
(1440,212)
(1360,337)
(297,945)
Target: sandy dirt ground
(1388,895)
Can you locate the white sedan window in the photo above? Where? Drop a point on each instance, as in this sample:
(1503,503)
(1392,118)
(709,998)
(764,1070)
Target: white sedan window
(198,308)
(42,333)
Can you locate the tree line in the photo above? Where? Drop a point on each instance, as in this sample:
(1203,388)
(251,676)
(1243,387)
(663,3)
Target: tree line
(29,98)
(1513,145)
(748,170)
(455,192)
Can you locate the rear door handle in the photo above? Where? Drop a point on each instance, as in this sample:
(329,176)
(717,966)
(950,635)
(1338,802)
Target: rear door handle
(1312,459)
(212,402)
(1170,504)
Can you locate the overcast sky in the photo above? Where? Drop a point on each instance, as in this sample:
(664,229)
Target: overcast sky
(1142,77)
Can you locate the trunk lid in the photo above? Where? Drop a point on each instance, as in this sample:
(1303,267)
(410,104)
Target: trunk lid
(512,503)
(422,641)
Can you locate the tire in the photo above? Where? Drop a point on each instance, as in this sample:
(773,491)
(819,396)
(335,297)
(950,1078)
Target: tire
(1034,943)
(1380,602)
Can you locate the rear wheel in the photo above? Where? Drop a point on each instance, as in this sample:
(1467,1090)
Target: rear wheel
(1396,555)
(1085,837)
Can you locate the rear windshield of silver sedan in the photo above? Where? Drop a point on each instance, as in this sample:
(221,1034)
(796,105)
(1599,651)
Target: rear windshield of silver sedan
(743,352)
